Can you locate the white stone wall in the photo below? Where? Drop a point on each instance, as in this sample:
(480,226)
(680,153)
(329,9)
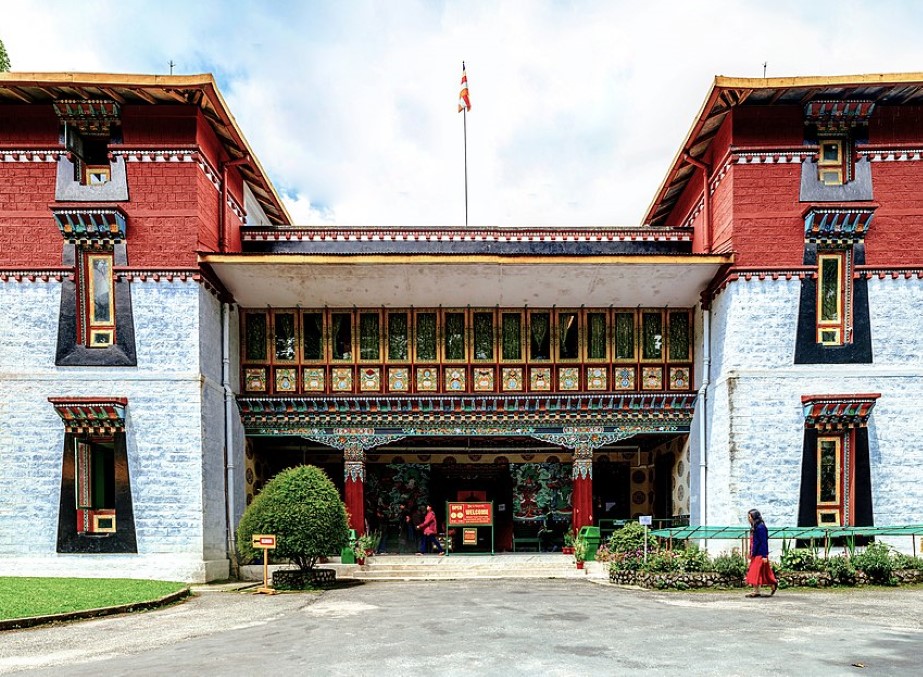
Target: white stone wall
(756,424)
(173,433)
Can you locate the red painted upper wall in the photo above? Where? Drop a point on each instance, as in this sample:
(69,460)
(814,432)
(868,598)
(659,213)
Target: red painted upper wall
(173,207)
(896,124)
(768,126)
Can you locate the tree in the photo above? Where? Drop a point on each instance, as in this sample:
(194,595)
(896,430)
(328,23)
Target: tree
(4,58)
(302,507)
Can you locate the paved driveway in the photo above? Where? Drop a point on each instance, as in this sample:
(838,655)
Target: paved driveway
(490,627)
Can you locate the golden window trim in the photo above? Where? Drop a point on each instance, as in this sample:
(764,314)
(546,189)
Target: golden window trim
(838,451)
(639,337)
(358,337)
(581,328)
(386,338)
(494,336)
(522,337)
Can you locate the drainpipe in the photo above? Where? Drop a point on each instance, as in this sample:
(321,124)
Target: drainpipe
(229,466)
(222,208)
(703,419)
(706,199)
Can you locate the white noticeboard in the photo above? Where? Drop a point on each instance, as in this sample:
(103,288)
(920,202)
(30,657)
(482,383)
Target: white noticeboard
(645,520)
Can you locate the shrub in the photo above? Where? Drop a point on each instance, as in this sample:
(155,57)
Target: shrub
(662,561)
(902,561)
(302,507)
(693,558)
(841,570)
(799,559)
(626,561)
(630,538)
(732,565)
(875,562)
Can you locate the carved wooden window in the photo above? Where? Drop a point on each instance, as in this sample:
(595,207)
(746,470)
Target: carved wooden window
(95,485)
(830,479)
(568,335)
(625,337)
(425,334)
(483,344)
(597,337)
(831,291)
(97,298)
(511,330)
(679,336)
(284,337)
(831,161)
(453,332)
(651,335)
(370,336)
(341,337)
(539,336)
(398,336)
(312,334)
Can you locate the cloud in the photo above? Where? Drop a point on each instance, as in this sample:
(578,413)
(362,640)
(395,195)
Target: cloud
(578,107)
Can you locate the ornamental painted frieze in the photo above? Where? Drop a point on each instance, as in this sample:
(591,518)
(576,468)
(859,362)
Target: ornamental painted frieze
(354,471)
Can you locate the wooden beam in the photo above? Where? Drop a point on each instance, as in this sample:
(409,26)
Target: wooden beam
(809,95)
(175,95)
(19,94)
(112,94)
(144,95)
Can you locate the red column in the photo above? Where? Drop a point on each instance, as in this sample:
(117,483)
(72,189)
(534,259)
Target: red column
(582,497)
(354,487)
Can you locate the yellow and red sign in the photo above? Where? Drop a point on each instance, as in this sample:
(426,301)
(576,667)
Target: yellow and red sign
(470,514)
(267,541)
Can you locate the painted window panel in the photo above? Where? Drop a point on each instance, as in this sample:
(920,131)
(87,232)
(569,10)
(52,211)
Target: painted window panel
(680,344)
(624,336)
(398,337)
(568,336)
(256,331)
(369,336)
(426,336)
(101,296)
(512,336)
(828,470)
(313,336)
(454,332)
(285,338)
(341,334)
(830,285)
(651,336)
(483,336)
(596,336)
(539,336)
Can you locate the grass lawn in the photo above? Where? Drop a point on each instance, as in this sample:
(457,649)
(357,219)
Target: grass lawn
(23,597)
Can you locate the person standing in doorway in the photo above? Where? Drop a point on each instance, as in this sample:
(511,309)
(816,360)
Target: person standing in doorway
(760,571)
(429,529)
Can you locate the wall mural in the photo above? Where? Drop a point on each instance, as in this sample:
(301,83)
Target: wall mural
(390,486)
(537,486)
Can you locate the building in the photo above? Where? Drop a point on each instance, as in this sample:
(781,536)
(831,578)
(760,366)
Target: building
(170,341)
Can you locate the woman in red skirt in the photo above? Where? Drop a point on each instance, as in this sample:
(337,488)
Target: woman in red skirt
(760,571)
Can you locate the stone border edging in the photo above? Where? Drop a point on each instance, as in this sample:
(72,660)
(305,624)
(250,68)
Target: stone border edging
(32,621)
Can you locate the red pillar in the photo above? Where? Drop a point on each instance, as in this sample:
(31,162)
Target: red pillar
(582,497)
(354,487)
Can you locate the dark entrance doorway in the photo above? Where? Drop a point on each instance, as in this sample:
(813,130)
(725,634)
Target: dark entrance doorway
(476,482)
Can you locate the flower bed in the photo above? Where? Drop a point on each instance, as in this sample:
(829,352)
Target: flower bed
(296,579)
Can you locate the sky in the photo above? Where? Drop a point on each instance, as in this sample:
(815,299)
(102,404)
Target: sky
(578,108)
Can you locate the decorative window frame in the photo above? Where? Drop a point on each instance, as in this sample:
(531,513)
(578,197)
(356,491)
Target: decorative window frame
(83,526)
(836,418)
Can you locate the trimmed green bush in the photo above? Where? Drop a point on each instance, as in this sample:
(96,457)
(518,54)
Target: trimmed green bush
(302,507)
(630,538)
(732,565)
(876,562)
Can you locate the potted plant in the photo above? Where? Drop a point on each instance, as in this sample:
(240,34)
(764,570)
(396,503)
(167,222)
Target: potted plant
(580,549)
(568,548)
(365,547)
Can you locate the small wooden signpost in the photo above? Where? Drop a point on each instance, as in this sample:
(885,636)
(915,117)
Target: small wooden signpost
(265,542)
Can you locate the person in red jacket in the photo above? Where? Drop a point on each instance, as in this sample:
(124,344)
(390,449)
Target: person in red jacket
(428,527)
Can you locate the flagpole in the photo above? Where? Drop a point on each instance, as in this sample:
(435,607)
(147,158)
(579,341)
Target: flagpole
(465,124)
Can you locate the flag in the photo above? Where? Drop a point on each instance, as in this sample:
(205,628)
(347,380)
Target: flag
(464,103)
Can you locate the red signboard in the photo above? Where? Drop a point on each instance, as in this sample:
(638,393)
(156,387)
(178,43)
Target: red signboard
(470,514)
(267,541)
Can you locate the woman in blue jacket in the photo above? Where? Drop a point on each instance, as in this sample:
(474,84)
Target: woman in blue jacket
(760,571)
